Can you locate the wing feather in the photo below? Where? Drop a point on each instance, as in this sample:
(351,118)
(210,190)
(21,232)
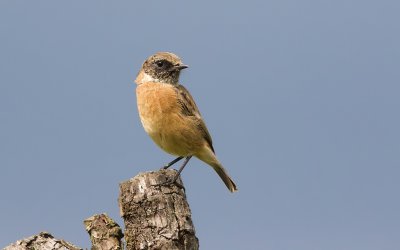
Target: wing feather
(190,109)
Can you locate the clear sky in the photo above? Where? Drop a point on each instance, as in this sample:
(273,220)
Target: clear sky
(301,98)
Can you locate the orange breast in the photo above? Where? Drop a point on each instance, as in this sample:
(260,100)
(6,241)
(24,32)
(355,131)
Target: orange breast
(162,119)
(155,101)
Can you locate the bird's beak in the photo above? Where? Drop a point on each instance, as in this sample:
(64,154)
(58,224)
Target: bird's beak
(180,66)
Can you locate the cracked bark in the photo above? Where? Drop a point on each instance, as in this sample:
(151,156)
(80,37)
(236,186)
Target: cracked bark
(156,216)
(42,240)
(104,233)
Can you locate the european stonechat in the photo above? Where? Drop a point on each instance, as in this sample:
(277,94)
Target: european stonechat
(171,117)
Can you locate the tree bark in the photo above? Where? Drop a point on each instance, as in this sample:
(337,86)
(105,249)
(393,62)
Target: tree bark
(104,233)
(42,240)
(156,214)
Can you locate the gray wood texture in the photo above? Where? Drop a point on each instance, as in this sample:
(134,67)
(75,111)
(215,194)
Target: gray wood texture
(104,233)
(41,241)
(156,215)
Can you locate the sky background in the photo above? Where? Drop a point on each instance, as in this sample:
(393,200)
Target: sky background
(301,98)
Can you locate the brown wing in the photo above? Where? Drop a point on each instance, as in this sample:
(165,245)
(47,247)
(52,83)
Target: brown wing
(189,108)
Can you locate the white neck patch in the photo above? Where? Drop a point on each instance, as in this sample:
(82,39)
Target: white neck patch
(148,78)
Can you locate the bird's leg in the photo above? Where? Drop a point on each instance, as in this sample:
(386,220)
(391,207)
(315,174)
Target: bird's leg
(182,167)
(173,162)
(173,181)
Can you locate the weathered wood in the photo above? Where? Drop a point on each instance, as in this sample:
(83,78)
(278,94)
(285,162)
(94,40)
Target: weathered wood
(40,241)
(104,233)
(156,216)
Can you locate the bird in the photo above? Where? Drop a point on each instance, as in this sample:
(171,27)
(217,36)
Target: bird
(171,117)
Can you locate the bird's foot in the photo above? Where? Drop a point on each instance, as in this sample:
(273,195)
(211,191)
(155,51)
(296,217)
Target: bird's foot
(174,182)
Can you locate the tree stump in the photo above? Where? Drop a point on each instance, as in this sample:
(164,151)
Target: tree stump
(156,214)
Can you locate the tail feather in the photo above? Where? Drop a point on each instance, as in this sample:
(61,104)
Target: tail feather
(208,156)
(225,177)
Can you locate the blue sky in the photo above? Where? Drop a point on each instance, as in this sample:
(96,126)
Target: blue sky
(301,98)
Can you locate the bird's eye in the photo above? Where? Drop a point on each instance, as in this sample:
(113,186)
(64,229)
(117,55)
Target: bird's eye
(160,64)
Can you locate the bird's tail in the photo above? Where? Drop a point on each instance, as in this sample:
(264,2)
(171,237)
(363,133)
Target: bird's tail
(208,156)
(224,176)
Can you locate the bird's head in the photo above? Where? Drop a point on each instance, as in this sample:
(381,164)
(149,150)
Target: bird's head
(162,67)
